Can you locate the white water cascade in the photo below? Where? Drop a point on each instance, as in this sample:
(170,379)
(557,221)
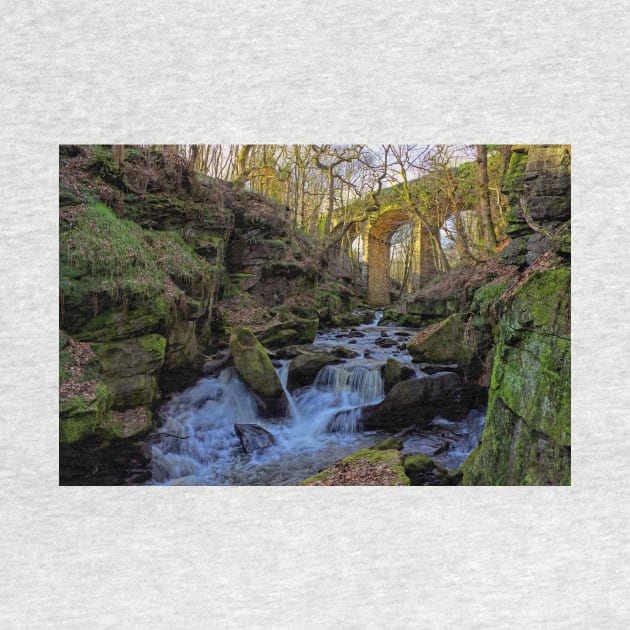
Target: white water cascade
(198,444)
(320,427)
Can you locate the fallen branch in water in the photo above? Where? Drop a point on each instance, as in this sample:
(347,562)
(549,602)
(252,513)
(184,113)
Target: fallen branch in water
(159,434)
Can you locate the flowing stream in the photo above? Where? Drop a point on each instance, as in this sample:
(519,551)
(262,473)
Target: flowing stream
(199,445)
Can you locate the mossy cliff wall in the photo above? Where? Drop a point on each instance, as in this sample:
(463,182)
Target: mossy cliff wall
(527,438)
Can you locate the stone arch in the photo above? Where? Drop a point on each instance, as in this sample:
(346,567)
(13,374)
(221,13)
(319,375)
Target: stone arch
(379,242)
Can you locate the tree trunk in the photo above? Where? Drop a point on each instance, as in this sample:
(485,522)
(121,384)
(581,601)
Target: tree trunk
(118,155)
(486,214)
(331,201)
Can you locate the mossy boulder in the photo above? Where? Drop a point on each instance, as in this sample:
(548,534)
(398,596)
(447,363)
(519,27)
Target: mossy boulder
(255,368)
(442,342)
(368,467)
(527,437)
(80,415)
(418,463)
(388,444)
(129,368)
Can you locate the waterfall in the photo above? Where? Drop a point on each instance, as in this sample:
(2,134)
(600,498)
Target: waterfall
(377,318)
(333,404)
(283,375)
(202,418)
(364,383)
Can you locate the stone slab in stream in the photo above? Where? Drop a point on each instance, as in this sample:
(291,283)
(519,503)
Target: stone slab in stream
(254,437)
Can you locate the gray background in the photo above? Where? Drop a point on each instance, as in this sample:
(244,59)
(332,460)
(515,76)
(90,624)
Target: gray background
(323,71)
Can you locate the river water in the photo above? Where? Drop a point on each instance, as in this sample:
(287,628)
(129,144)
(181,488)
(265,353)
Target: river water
(202,447)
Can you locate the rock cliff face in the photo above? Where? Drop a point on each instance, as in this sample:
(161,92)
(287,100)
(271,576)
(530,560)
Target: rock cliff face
(148,254)
(527,438)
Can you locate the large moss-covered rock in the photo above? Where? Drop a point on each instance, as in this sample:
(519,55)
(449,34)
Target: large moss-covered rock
(255,368)
(442,343)
(116,324)
(430,309)
(129,368)
(527,437)
(80,415)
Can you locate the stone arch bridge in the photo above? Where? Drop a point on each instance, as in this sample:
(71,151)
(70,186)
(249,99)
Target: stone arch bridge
(375,234)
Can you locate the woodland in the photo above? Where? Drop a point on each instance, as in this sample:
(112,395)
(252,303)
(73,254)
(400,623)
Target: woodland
(315,314)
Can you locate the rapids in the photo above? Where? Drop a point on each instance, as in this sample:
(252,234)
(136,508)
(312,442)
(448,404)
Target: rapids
(199,445)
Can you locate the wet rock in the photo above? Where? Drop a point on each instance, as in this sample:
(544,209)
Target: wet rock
(343,353)
(410,430)
(304,367)
(292,331)
(254,438)
(434,368)
(217,362)
(355,333)
(290,352)
(417,401)
(386,343)
(394,372)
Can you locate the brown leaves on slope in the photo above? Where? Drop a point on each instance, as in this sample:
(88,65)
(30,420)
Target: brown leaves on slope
(82,355)
(359,473)
(468,277)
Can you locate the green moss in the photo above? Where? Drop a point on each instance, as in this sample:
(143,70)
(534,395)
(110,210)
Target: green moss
(292,331)
(527,436)
(418,463)
(388,444)
(254,365)
(117,324)
(65,362)
(102,254)
(80,415)
(444,344)
(487,296)
(153,344)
